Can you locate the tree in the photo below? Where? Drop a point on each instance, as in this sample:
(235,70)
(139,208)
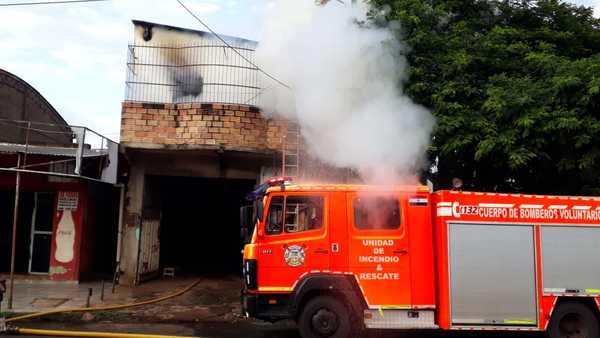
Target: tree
(515,88)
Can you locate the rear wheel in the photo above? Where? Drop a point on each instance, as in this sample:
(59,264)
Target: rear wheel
(573,320)
(325,317)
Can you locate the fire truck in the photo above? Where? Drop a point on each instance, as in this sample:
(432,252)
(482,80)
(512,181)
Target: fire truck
(340,259)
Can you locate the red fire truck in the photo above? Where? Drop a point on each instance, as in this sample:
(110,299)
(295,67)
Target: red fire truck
(342,258)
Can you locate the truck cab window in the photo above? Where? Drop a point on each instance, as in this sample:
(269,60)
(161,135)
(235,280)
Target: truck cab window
(294,214)
(275,216)
(377,213)
(303,213)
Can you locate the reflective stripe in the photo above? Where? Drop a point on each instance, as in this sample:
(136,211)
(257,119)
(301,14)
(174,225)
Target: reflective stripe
(496,205)
(519,321)
(444,211)
(275,288)
(531,206)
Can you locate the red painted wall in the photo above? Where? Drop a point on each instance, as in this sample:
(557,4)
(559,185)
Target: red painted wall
(61,267)
(59,270)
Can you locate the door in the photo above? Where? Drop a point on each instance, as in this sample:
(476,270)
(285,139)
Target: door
(149,256)
(378,248)
(294,240)
(41,233)
(492,274)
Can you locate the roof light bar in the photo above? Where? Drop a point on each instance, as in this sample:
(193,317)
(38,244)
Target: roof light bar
(279,180)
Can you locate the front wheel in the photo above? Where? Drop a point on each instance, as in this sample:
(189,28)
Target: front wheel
(325,317)
(573,320)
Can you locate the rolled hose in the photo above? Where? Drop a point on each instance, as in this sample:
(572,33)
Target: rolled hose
(60,333)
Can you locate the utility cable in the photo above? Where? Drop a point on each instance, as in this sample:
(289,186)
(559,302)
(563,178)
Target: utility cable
(47,3)
(231,47)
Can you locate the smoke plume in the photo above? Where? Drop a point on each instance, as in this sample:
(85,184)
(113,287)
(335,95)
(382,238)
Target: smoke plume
(345,90)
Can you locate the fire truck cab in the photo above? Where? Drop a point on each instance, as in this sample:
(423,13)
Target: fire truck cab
(342,258)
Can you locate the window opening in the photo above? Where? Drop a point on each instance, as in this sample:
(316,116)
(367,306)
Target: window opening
(376,213)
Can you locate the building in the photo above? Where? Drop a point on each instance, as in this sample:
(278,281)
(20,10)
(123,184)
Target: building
(67,213)
(195,143)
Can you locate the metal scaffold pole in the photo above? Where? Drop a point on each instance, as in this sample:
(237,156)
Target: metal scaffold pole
(14,235)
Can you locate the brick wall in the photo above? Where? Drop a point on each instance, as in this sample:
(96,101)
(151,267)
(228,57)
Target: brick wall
(187,126)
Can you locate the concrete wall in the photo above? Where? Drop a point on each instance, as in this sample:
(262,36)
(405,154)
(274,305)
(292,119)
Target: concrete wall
(175,65)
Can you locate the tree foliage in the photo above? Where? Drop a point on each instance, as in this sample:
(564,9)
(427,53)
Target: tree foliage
(515,88)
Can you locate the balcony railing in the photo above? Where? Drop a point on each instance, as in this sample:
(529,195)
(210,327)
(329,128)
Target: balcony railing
(208,73)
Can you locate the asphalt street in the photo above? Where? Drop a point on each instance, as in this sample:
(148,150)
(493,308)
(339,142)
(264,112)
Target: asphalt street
(266,330)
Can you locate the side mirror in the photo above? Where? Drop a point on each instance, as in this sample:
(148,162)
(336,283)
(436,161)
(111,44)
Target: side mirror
(245,222)
(259,207)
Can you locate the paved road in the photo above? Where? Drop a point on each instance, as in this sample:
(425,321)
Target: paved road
(260,330)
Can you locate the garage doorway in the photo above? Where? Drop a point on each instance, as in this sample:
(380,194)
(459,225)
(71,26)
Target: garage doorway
(199,223)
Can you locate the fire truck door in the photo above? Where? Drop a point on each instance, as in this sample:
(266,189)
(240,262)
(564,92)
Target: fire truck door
(294,240)
(378,248)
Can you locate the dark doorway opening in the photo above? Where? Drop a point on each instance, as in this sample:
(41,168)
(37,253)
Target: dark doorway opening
(199,228)
(26,205)
(100,231)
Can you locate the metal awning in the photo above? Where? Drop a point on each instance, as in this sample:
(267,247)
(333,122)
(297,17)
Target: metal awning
(13,148)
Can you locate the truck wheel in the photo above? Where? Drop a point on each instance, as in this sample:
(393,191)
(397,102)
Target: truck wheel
(324,316)
(573,320)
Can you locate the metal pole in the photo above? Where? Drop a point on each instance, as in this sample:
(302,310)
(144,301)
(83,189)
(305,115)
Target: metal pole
(26,144)
(89,295)
(14,236)
(119,235)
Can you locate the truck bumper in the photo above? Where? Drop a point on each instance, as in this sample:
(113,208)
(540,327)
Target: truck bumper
(269,307)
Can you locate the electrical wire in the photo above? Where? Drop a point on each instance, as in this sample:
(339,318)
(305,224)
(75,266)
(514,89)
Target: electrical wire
(47,2)
(231,47)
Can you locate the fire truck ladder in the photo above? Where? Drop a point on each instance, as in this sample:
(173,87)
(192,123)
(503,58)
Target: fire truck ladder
(290,165)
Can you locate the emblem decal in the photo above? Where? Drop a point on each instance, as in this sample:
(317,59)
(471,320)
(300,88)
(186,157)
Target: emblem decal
(294,255)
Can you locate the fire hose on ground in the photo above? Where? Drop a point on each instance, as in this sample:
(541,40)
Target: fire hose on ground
(41,332)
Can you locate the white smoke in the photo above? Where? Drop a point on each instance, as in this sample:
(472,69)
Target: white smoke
(345,91)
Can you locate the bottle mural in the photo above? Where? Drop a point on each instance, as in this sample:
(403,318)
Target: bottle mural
(65,232)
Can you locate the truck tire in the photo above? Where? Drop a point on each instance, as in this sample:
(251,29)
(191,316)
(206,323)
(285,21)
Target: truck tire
(325,316)
(573,320)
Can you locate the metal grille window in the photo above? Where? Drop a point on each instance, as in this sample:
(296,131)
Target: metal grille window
(377,213)
(207,72)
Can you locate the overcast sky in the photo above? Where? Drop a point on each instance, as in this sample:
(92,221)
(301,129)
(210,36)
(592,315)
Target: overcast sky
(75,54)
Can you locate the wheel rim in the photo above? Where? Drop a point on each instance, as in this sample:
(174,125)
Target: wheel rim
(572,326)
(324,322)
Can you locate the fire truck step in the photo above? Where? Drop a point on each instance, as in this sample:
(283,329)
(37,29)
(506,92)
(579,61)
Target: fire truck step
(399,319)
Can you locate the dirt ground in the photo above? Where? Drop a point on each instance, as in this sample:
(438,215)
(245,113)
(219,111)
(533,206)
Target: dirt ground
(215,299)
(211,310)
